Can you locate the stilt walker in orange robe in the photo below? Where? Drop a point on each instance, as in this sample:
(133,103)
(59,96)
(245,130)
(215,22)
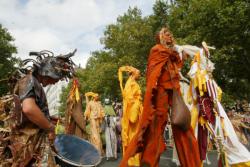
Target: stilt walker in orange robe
(157,100)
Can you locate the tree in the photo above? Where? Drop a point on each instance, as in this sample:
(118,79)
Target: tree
(100,75)
(224,24)
(7,61)
(127,42)
(160,15)
(129,39)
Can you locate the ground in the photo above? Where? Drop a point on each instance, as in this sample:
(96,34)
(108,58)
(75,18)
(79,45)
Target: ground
(165,160)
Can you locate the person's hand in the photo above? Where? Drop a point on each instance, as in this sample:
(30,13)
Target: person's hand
(185,56)
(52,134)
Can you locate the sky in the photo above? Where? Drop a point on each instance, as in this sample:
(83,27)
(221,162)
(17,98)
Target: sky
(63,25)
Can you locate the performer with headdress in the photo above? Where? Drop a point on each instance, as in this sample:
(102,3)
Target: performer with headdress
(208,116)
(95,114)
(28,121)
(161,78)
(132,109)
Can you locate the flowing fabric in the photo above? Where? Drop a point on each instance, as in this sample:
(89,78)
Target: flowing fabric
(110,137)
(75,122)
(209,117)
(132,108)
(95,114)
(184,87)
(149,138)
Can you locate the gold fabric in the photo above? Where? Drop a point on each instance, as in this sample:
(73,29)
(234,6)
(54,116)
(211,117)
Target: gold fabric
(132,108)
(243,164)
(95,114)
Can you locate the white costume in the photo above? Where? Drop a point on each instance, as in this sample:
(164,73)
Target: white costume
(203,83)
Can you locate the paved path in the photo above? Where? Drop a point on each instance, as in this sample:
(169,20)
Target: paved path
(165,160)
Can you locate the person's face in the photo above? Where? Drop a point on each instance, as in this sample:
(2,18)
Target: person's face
(168,37)
(230,114)
(48,81)
(96,98)
(137,74)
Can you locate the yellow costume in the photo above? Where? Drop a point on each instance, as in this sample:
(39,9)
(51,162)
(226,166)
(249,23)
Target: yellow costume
(94,113)
(132,108)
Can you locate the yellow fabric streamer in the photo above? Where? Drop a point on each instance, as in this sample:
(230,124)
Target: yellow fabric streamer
(77,94)
(194,116)
(219,93)
(243,164)
(202,121)
(57,127)
(223,127)
(200,78)
(200,81)
(74,92)
(132,108)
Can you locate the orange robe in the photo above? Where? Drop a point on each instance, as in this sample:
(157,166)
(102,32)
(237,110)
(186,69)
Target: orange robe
(149,139)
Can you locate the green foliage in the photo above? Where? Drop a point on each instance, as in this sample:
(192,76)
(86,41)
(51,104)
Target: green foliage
(160,16)
(224,24)
(7,61)
(227,100)
(126,43)
(99,76)
(129,39)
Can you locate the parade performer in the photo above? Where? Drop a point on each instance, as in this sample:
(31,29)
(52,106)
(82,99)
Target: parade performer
(110,137)
(28,122)
(75,122)
(108,108)
(239,126)
(95,114)
(118,111)
(208,115)
(132,109)
(149,140)
(110,130)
